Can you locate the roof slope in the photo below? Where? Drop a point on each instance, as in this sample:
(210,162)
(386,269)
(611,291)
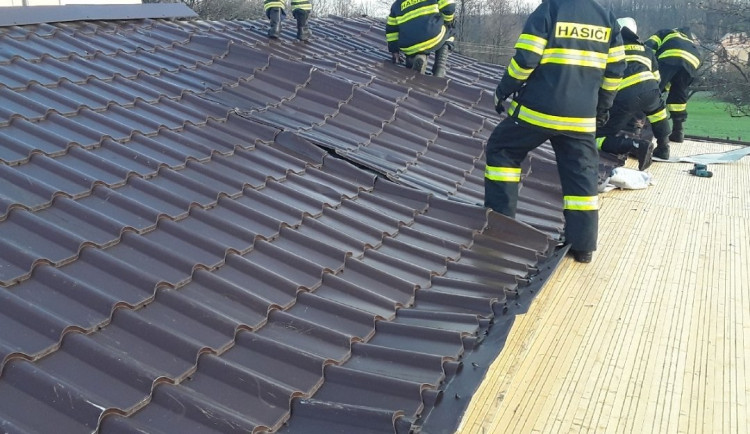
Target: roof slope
(199,227)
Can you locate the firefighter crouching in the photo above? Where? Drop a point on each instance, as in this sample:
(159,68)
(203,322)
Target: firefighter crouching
(637,94)
(301,10)
(568,64)
(418,28)
(678,62)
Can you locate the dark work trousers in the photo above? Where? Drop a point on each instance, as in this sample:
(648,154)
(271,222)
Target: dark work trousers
(633,102)
(577,164)
(679,80)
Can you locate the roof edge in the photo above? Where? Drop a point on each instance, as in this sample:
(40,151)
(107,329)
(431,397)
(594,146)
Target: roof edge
(23,15)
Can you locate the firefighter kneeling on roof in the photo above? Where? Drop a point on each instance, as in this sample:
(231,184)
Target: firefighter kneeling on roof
(418,28)
(637,95)
(568,64)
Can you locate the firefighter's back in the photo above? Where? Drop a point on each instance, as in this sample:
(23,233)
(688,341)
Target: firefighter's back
(571,70)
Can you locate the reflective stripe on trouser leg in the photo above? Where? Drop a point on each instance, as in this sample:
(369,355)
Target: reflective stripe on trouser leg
(507,147)
(678,95)
(578,165)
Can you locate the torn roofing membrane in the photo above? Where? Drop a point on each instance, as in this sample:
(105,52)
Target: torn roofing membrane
(202,230)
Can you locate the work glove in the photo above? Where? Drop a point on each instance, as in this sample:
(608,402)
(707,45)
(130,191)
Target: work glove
(397,58)
(499,104)
(602,117)
(450,24)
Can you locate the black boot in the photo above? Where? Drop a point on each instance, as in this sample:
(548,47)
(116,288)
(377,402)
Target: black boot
(419,63)
(677,135)
(274,29)
(441,60)
(644,150)
(582,256)
(662,148)
(303,31)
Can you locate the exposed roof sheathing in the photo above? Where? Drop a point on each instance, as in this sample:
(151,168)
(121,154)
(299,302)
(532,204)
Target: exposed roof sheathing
(201,229)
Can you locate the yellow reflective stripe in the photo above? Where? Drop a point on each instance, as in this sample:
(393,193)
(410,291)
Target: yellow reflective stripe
(636,78)
(273,4)
(677,107)
(658,116)
(304,5)
(616,54)
(424,10)
(683,54)
(392,21)
(517,72)
(447,18)
(634,47)
(444,3)
(426,45)
(657,75)
(677,35)
(567,56)
(582,125)
(638,58)
(611,83)
(656,39)
(503,174)
(390,37)
(581,203)
(600,142)
(532,43)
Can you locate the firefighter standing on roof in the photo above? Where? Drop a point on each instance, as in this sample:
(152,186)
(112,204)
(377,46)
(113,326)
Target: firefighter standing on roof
(568,64)
(638,94)
(275,12)
(678,62)
(418,28)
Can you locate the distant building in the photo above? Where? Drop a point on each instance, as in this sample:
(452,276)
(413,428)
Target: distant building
(64,2)
(734,47)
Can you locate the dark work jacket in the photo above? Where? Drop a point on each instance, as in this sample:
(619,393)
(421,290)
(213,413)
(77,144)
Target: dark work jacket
(641,61)
(419,26)
(673,47)
(569,62)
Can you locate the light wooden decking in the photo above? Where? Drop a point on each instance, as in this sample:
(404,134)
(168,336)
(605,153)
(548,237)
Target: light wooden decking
(651,337)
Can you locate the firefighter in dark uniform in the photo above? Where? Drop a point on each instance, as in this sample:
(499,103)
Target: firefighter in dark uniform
(418,28)
(568,64)
(275,12)
(678,62)
(638,94)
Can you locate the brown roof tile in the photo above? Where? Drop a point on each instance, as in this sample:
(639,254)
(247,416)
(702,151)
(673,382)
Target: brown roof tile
(204,231)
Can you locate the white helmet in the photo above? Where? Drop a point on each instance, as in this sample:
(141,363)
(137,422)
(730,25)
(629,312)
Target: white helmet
(629,23)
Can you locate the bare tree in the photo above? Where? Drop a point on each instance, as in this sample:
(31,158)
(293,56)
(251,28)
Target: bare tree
(729,48)
(221,9)
(488,29)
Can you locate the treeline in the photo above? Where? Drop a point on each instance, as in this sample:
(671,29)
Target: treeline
(253,9)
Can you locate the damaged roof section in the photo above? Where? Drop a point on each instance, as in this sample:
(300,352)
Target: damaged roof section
(202,230)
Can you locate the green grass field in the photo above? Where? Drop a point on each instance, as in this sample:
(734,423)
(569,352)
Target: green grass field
(708,117)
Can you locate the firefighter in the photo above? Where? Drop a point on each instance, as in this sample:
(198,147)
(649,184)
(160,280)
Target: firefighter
(275,12)
(638,94)
(678,63)
(568,64)
(418,28)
